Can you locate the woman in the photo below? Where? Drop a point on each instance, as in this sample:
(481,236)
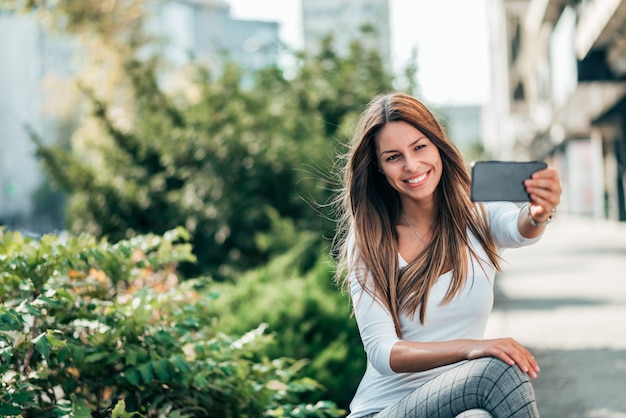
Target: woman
(419,258)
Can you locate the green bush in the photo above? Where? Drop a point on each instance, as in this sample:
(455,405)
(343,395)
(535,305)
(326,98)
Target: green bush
(306,313)
(93,329)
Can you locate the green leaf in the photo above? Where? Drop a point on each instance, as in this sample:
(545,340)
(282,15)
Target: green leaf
(23,398)
(65,294)
(9,410)
(119,410)
(180,364)
(80,409)
(96,357)
(132,376)
(42,345)
(146,372)
(53,340)
(99,256)
(50,302)
(6,353)
(63,408)
(154,261)
(161,370)
(126,250)
(31,309)
(200,381)
(63,354)
(131,357)
(10,321)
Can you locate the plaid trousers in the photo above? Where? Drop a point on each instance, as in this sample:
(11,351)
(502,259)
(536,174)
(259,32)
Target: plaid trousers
(485,387)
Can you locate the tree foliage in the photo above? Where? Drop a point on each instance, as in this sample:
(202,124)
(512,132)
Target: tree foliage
(216,155)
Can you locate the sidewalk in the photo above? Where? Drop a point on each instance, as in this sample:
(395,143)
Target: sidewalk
(565,299)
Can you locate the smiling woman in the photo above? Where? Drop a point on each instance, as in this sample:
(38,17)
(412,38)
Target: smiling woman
(419,259)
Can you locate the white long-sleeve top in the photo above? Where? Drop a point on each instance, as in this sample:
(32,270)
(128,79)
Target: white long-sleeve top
(465,317)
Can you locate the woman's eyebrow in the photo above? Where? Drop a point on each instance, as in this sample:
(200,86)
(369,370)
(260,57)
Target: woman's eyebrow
(418,139)
(388,152)
(412,144)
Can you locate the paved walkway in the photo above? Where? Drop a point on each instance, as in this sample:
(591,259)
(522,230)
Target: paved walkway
(565,299)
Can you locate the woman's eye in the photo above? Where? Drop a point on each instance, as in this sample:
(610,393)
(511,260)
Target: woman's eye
(419,147)
(393,157)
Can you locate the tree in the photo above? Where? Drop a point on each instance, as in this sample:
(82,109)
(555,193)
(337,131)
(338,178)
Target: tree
(215,157)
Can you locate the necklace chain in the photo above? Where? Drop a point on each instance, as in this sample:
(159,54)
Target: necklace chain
(413,229)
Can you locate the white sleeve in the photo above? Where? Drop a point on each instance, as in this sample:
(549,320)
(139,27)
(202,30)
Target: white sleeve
(503,223)
(375,325)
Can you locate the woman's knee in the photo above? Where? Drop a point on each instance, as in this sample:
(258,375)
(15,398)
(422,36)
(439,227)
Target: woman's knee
(496,381)
(491,377)
(492,370)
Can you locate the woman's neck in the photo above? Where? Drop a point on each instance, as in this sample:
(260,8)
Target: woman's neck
(419,212)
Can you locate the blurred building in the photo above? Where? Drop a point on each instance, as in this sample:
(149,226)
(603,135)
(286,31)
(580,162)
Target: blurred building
(345,21)
(559,93)
(205,31)
(31,58)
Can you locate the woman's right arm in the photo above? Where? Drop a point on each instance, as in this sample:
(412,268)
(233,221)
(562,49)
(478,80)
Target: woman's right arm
(390,355)
(409,356)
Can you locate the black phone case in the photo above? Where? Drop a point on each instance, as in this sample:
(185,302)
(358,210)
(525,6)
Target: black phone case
(494,181)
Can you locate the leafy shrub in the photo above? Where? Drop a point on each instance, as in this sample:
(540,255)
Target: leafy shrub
(305,312)
(89,328)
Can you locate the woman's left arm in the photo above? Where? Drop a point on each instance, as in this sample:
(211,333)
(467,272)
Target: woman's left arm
(544,188)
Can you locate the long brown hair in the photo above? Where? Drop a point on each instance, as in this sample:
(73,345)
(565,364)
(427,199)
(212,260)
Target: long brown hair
(369,208)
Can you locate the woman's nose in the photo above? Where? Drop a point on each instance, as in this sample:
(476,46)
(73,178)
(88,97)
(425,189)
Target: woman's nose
(411,164)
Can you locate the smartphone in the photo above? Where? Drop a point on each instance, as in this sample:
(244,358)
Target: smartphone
(502,180)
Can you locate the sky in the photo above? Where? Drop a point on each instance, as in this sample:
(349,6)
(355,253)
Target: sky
(450,37)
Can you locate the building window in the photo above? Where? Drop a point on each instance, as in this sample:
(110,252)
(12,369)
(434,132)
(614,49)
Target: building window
(516,41)
(518,93)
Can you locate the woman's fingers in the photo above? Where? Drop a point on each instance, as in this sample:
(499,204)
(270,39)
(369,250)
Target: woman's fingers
(545,191)
(525,360)
(507,350)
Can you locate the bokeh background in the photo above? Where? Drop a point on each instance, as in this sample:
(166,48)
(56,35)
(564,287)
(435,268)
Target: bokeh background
(190,148)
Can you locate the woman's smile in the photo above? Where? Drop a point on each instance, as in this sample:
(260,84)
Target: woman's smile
(415,181)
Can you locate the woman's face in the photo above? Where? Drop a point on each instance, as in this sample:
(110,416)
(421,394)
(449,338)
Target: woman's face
(409,160)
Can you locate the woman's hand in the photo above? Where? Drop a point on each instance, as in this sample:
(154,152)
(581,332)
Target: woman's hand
(544,188)
(507,350)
